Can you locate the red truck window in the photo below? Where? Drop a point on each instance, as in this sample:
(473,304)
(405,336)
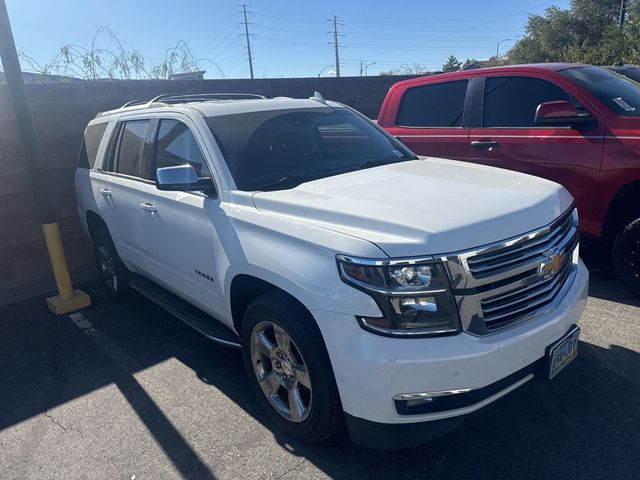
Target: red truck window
(434,105)
(512,101)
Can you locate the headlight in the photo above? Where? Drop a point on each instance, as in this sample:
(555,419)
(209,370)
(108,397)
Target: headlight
(413,295)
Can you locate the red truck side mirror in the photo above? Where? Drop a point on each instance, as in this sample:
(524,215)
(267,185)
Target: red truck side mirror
(560,113)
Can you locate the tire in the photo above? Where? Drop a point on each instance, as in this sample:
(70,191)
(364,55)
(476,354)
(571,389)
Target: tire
(113,274)
(315,412)
(626,256)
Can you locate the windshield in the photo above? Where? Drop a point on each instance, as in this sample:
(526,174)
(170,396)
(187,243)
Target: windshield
(279,149)
(619,93)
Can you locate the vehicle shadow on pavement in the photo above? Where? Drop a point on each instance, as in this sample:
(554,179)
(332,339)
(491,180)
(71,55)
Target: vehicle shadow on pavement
(583,424)
(605,286)
(603,282)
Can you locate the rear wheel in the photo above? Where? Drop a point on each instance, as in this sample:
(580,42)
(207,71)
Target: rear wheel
(113,274)
(289,368)
(626,256)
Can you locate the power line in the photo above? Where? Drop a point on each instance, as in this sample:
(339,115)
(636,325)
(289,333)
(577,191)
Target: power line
(246,34)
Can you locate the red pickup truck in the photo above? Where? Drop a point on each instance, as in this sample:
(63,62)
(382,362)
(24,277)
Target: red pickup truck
(578,125)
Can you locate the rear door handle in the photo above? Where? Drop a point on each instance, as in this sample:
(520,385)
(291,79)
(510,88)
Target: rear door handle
(105,192)
(484,144)
(149,207)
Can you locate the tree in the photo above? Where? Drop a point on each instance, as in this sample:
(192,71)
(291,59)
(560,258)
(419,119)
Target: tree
(414,69)
(587,32)
(452,64)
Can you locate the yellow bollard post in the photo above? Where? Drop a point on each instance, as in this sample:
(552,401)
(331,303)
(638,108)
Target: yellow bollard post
(68,299)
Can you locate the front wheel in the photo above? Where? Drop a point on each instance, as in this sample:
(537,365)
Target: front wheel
(289,368)
(626,256)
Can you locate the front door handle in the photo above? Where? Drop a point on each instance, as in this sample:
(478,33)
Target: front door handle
(485,144)
(105,192)
(149,207)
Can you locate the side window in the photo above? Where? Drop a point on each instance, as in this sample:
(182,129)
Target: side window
(512,101)
(434,105)
(176,145)
(90,144)
(130,147)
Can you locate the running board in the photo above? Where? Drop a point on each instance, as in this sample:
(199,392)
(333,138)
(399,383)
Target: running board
(202,322)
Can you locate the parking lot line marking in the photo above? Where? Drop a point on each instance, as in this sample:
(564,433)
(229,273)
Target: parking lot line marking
(123,360)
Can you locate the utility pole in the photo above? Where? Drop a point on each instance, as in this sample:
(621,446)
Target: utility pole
(335,44)
(623,12)
(246,34)
(360,67)
(67,299)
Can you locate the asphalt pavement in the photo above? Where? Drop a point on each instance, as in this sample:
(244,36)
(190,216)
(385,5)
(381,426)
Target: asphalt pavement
(129,392)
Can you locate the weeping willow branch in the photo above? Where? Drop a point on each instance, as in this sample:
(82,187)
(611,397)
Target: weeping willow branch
(107,57)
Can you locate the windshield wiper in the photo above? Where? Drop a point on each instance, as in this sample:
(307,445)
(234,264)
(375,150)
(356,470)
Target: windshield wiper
(295,177)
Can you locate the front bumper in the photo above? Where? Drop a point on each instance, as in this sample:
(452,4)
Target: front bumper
(370,369)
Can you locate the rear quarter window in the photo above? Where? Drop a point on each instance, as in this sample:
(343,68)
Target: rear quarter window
(90,143)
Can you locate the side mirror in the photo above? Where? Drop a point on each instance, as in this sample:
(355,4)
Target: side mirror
(560,113)
(182,178)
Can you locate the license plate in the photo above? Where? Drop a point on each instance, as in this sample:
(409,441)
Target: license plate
(563,352)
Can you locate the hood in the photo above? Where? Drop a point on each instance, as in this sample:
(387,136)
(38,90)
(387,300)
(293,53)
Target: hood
(423,207)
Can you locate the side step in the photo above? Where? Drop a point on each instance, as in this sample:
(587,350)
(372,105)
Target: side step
(192,316)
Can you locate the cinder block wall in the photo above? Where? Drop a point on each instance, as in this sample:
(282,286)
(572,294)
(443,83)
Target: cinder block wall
(60,112)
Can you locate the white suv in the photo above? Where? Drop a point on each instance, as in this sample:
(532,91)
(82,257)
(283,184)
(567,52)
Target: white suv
(364,285)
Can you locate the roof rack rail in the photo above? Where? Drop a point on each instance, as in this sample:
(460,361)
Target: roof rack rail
(202,97)
(133,102)
(168,98)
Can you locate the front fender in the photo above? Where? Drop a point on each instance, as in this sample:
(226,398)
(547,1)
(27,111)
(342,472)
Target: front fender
(297,257)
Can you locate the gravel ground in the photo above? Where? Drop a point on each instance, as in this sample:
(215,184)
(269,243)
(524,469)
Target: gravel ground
(127,391)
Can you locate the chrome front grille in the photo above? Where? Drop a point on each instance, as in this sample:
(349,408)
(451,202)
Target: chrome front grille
(508,282)
(501,260)
(501,310)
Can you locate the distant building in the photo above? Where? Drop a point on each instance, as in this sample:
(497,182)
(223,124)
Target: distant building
(197,75)
(32,77)
(476,64)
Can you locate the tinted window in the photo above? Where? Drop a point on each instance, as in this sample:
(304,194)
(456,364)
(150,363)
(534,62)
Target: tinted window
(176,145)
(130,147)
(512,101)
(279,149)
(90,143)
(618,93)
(436,105)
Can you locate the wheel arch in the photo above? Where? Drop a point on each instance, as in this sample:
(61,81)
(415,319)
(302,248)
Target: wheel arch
(245,288)
(94,221)
(623,207)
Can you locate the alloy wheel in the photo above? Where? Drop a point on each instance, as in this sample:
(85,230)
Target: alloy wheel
(281,371)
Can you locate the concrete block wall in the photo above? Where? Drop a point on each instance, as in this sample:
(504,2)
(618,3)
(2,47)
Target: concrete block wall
(60,112)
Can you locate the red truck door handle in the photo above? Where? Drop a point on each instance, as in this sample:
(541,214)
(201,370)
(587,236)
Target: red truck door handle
(484,144)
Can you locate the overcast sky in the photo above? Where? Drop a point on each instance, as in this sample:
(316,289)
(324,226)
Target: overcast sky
(289,38)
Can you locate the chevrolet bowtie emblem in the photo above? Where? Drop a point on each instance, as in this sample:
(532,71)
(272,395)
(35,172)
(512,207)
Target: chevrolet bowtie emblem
(552,263)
